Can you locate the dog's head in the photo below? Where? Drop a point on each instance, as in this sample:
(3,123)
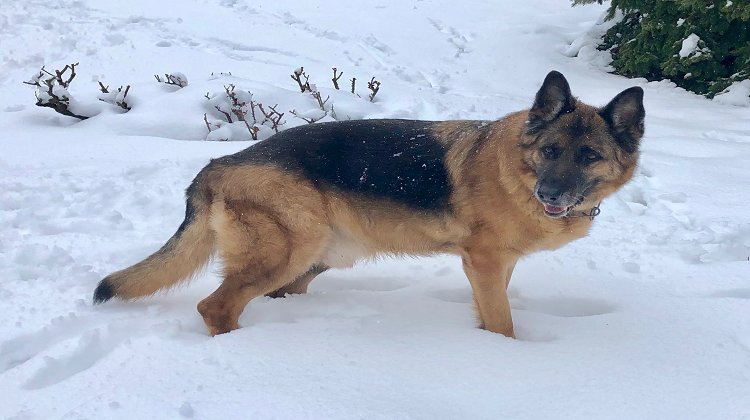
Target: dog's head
(577,154)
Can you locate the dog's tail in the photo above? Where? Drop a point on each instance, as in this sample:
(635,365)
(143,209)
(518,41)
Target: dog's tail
(186,252)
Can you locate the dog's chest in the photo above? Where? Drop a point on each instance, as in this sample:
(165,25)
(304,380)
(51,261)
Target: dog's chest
(554,234)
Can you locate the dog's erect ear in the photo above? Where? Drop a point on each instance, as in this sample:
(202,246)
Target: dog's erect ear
(625,114)
(552,100)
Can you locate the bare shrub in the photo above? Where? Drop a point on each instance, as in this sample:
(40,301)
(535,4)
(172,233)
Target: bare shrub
(175,79)
(238,106)
(118,98)
(52,92)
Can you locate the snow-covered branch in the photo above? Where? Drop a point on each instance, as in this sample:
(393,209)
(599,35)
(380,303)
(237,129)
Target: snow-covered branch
(52,92)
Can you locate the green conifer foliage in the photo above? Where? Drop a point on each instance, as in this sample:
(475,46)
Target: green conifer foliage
(701,45)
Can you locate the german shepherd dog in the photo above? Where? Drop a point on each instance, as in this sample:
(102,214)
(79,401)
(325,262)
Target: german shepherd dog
(327,195)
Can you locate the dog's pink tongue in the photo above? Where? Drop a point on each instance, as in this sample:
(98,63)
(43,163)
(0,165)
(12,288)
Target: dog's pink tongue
(553,209)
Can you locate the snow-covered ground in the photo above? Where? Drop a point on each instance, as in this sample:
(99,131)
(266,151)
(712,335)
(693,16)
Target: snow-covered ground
(648,317)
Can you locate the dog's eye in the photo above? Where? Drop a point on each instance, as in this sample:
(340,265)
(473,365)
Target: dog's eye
(550,152)
(590,155)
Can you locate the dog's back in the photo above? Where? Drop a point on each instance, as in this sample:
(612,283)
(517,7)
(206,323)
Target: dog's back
(397,160)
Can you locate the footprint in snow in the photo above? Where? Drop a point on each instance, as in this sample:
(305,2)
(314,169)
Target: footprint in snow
(534,335)
(675,197)
(566,307)
(95,342)
(19,350)
(453,36)
(92,347)
(731,293)
(453,295)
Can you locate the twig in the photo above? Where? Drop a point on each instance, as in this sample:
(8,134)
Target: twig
(172,79)
(309,120)
(226,114)
(335,78)
(59,74)
(333,113)
(252,111)
(273,116)
(321,102)
(35,80)
(122,102)
(252,129)
(354,82)
(238,107)
(297,77)
(374,86)
(112,99)
(205,119)
(72,68)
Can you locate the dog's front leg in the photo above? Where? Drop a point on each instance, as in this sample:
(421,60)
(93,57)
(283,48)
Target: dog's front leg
(489,273)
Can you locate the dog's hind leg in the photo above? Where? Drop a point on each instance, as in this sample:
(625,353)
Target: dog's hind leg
(299,285)
(262,252)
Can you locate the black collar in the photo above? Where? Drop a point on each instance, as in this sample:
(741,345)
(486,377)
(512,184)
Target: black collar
(591,214)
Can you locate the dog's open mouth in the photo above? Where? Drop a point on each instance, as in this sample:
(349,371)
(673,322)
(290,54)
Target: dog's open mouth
(555,211)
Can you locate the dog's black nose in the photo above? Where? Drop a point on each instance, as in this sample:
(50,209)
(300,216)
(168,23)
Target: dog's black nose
(549,192)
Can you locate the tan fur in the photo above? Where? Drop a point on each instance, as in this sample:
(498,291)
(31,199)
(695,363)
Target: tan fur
(175,262)
(270,227)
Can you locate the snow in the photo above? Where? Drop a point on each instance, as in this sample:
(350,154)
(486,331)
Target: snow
(648,317)
(585,46)
(737,94)
(689,46)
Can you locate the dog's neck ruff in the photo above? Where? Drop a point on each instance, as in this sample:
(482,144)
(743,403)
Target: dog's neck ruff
(591,214)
